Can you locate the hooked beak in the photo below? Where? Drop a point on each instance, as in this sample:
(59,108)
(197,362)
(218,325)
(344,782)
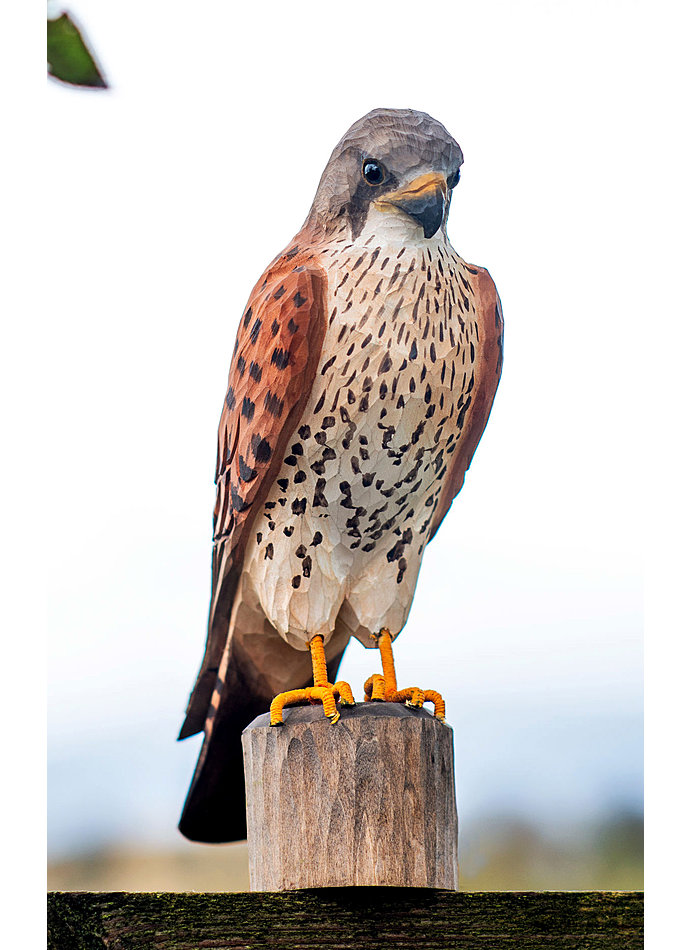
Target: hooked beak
(424,199)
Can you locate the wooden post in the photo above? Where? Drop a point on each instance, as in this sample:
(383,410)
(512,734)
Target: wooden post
(368,800)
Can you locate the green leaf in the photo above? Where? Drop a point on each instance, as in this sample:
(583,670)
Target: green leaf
(69,58)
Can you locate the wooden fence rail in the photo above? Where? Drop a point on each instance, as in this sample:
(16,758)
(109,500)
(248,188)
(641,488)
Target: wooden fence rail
(348,918)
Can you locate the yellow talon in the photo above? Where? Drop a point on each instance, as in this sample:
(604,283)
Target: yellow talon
(322,691)
(380,688)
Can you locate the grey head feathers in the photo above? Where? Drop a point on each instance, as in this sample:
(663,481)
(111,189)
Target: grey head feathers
(405,142)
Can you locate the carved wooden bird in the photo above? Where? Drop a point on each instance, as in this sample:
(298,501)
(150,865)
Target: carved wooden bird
(362,378)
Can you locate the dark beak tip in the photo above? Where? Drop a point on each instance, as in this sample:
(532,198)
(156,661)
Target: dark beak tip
(427,210)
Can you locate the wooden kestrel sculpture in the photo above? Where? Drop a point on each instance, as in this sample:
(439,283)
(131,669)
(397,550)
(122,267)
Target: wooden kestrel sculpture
(362,378)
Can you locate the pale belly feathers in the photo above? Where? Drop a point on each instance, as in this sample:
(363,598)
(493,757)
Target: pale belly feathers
(342,532)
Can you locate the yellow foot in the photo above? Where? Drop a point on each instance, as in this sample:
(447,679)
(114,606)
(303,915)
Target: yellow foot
(384,688)
(321,692)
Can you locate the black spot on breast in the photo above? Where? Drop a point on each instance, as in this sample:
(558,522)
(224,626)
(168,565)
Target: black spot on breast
(230,400)
(247,317)
(292,326)
(319,405)
(287,531)
(296,581)
(255,372)
(283,483)
(396,551)
(299,506)
(299,300)
(427,394)
(319,497)
(241,364)
(328,453)
(275,326)
(317,539)
(306,566)
(279,293)
(304,432)
(268,553)
(290,460)
(300,476)
(328,422)
(320,437)
(301,551)
(386,363)
(327,365)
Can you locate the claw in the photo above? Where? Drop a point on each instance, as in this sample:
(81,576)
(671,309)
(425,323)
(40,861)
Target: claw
(384,688)
(321,692)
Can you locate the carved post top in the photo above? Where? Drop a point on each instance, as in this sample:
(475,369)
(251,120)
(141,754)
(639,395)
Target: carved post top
(314,714)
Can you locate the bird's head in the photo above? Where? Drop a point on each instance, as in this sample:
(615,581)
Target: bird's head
(392,174)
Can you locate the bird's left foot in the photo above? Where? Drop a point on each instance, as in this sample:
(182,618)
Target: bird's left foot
(321,692)
(384,688)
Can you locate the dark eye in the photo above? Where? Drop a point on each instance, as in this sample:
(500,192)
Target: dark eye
(373,172)
(454,178)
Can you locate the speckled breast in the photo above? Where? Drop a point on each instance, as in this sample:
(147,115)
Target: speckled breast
(343,529)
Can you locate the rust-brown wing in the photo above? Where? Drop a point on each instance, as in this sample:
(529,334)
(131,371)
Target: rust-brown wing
(487,373)
(277,351)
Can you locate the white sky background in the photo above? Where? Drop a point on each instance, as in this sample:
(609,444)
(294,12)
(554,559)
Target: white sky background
(169,195)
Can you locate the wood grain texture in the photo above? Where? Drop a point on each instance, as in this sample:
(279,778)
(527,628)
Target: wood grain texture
(369,800)
(350,918)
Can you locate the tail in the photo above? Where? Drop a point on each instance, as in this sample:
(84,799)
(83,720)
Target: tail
(215,808)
